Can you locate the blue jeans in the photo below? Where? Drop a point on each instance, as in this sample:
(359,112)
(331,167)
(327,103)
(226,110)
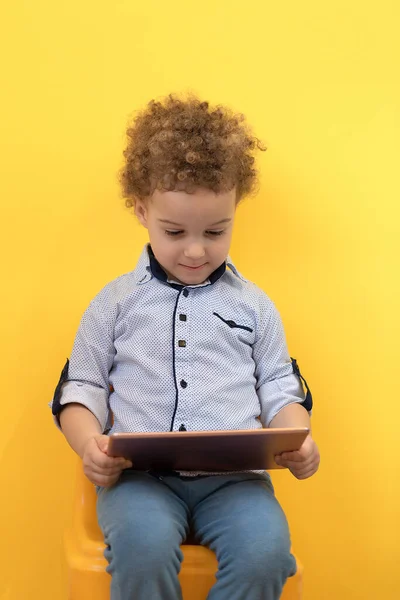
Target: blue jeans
(146,517)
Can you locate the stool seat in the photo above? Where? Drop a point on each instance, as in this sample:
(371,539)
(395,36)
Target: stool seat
(84,546)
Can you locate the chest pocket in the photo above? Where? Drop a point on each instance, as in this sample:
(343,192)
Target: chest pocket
(232,324)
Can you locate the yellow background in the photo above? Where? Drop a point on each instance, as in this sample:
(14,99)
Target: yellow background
(319,83)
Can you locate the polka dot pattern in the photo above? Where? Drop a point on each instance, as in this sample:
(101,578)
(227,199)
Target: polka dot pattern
(206,357)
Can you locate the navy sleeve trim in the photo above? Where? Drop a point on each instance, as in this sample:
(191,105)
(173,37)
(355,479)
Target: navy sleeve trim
(308,402)
(57,407)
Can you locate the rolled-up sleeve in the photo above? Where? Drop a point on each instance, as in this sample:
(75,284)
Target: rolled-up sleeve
(277,385)
(85,377)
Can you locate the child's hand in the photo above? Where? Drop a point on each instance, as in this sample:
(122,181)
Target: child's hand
(303,462)
(100,468)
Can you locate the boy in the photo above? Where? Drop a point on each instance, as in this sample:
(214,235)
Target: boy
(185,342)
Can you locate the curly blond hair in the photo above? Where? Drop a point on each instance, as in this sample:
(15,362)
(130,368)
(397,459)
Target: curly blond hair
(184,144)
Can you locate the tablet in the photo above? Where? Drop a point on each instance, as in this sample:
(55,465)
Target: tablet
(218,451)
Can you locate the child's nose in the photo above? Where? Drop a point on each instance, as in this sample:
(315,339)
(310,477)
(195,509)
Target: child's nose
(194,251)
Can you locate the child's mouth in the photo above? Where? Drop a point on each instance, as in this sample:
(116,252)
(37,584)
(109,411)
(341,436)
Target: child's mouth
(194,268)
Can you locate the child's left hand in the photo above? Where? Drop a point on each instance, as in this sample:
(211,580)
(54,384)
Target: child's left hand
(302,463)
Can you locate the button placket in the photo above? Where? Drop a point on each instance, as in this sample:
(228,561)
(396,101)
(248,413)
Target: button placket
(181,354)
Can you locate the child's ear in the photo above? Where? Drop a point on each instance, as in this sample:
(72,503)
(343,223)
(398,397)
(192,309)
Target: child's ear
(141,212)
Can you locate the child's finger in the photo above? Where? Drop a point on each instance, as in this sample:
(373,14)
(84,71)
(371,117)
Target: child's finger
(113,470)
(295,456)
(107,462)
(304,473)
(296,464)
(102,443)
(299,470)
(104,480)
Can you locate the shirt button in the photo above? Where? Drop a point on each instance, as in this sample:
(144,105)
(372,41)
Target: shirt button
(183,384)
(182,317)
(186,293)
(182,343)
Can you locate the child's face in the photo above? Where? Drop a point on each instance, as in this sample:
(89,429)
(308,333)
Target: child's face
(190,234)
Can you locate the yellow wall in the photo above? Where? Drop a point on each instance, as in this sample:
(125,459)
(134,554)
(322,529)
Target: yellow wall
(319,82)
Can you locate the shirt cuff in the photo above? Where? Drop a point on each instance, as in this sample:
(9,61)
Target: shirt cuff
(94,398)
(278,393)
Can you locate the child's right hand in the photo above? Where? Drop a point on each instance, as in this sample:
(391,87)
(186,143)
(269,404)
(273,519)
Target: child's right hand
(100,468)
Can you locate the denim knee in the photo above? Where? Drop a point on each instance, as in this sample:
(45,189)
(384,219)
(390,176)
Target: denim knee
(142,548)
(260,563)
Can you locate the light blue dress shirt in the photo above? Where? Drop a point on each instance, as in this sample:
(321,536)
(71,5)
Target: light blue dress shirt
(159,356)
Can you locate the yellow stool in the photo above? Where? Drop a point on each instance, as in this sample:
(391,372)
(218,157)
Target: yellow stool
(88,579)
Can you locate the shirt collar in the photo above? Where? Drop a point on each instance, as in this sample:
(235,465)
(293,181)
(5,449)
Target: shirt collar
(149,267)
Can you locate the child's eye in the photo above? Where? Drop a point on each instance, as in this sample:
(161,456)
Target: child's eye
(169,232)
(215,232)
